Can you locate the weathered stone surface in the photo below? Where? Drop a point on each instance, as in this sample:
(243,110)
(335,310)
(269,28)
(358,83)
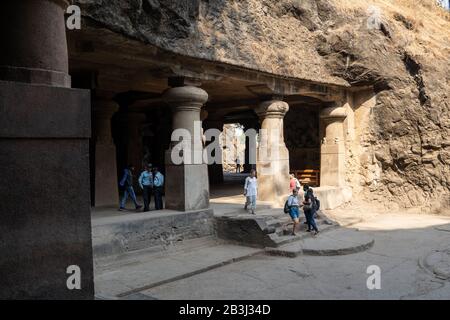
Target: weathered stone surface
(271,36)
(118,235)
(438,263)
(45,224)
(399,150)
(333,243)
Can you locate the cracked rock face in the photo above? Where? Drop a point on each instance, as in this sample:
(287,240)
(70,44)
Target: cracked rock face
(405,148)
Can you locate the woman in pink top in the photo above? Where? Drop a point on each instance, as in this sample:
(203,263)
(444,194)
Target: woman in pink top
(293,183)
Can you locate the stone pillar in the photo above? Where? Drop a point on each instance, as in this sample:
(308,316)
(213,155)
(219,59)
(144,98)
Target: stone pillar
(186,183)
(215,170)
(106,183)
(249,142)
(273,157)
(135,152)
(45,221)
(332,150)
(34,32)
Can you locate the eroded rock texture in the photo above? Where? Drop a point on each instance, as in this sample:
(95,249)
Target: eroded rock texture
(403,154)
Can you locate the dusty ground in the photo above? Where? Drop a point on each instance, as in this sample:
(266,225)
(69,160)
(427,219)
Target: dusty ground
(401,240)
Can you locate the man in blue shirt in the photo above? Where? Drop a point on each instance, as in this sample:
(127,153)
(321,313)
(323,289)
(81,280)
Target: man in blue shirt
(127,183)
(146,183)
(158,185)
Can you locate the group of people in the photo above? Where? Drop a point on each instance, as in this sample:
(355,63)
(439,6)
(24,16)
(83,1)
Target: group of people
(151,181)
(310,205)
(308,202)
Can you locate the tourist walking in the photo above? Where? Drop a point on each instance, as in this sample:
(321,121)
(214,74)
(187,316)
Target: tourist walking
(294,183)
(314,200)
(238,165)
(309,214)
(146,183)
(127,184)
(251,191)
(158,185)
(293,205)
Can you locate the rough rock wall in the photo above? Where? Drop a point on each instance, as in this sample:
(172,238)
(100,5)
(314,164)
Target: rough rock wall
(402,156)
(267,35)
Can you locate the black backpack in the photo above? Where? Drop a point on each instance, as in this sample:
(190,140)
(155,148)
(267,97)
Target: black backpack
(286,206)
(316,204)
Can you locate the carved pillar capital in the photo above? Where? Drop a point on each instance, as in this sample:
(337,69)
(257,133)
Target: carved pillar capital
(272,109)
(187,98)
(333,114)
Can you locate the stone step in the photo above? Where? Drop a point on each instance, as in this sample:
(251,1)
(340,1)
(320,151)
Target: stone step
(280,240)
(265,229)
(336,241)
(274,223)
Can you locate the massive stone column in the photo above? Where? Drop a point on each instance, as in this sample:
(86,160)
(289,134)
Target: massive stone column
(273,156)
(45,222)
(332,150)
(135,148)
(106,184)
(250,150)
(215,170)
(186,182)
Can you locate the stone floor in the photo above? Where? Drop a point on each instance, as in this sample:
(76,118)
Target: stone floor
(412,251)
(402,242)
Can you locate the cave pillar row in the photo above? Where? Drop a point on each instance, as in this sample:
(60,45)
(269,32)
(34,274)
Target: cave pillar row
(272,163)
(106,186)
(186,186)
(332,149)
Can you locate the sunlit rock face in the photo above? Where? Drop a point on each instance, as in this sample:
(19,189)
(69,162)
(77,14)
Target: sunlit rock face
(399,154)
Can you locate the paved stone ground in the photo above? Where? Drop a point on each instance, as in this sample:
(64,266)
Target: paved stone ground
(412,250)
(401,242)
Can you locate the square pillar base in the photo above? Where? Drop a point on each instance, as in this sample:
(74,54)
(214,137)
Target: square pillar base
(45,221)
(186,187)
(332,165)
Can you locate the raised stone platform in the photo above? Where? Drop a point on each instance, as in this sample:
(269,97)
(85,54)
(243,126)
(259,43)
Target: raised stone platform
(265,229)
(335,242)
(333,197)
(115,233)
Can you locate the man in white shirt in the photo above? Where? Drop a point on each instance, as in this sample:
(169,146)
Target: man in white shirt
(158,185)
(146,183)
(251,191)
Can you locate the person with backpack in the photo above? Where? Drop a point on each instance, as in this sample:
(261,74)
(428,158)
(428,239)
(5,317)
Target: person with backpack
(308,209)
(292,206)
(315,201)
(251,191)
